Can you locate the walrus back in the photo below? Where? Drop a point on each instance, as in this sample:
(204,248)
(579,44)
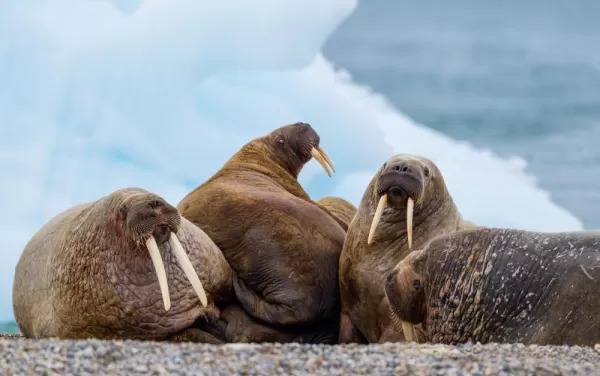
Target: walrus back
(515,286)
(31,288)
(339,208)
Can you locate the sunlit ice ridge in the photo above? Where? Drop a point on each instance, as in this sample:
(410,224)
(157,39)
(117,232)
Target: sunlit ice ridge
(98,95)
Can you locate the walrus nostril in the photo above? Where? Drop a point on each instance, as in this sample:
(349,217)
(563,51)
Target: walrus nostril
(403,168)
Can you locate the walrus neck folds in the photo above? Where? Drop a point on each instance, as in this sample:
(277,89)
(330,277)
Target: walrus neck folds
(257,156)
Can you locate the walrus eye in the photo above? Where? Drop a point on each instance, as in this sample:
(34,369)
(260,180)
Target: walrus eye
(426,171)
(417,285)
(280,141)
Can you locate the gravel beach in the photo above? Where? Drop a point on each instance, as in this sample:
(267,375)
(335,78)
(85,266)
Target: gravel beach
(53,357)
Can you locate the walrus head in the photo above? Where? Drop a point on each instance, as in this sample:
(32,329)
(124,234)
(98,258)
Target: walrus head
(403,183)
(151,222)
(405,291)
(293,145)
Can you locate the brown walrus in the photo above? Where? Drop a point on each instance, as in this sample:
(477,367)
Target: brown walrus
(96,271)
(502,285)
(343,210)
(282,246)
(406,197)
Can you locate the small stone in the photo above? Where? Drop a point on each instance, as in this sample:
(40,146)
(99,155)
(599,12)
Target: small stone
(21,356)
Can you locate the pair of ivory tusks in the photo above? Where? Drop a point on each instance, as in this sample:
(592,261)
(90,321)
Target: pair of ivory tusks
(319,154)
(184,263)
(410,205)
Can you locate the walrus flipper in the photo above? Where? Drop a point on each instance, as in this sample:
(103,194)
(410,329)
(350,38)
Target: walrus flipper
(197,336)
(349,333)
(289,310)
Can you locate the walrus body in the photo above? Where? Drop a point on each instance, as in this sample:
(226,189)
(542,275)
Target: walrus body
(407,195)
(343,210)
(96,271)
(502,285)
(282,246)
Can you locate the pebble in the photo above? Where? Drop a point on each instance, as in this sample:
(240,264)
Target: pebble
(19,356)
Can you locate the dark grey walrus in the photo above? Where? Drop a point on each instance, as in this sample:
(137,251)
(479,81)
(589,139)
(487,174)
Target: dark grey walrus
(502,285)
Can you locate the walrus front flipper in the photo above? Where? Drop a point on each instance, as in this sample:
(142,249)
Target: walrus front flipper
(326,333)
(195,335)
(348,332)
(289,311)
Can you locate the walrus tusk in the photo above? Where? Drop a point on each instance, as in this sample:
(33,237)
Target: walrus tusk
(410,205)
(187,267)
(407,328)
(159,267)
(377,217)
(319,157)
(322,151)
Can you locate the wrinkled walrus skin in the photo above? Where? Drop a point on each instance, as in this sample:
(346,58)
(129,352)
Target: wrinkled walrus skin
(365,316)
(88,273)
(343,210)
(282,246)
(504,286)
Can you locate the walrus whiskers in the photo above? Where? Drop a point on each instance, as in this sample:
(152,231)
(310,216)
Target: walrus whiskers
(321,159)
(377,217)
(187,267)
(159,267)
(410,205)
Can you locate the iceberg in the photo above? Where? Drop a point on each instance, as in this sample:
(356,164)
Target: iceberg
(96,95)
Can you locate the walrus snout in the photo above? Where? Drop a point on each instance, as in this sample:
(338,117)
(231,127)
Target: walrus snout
(401,183)
(308,141)
(398,184)
(156,222)
(406,297)
(146,214)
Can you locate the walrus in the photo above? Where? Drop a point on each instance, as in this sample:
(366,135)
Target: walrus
(125,266)
(406,200)
(343,210)
(502,285)
(282,246)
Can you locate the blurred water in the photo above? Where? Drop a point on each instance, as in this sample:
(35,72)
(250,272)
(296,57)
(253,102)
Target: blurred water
(520,77)
(9,327)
